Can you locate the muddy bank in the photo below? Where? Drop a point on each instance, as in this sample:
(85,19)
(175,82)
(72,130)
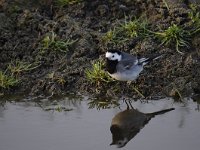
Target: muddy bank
(28,29)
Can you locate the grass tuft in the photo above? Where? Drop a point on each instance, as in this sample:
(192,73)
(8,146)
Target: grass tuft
(166,4)
(194,15)
(97,74)
(138,92)
(57,78)
(127,30)
(17,67)
(63,3)
(7,81)
(52,42)
(103,104)
(135,28)
(175,35)
(110,36)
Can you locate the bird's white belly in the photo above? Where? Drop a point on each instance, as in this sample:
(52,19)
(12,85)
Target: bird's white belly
(127,74)
(124,76)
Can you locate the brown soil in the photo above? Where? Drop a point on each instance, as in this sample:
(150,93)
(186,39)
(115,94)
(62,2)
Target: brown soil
(23,26)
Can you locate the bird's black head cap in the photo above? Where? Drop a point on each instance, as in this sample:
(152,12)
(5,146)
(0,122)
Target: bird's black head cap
(114,51)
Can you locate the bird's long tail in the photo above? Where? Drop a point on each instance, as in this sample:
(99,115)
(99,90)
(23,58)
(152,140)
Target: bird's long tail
(144,61)
(160,112)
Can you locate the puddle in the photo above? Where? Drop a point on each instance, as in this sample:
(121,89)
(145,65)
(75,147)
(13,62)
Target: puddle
(74,125)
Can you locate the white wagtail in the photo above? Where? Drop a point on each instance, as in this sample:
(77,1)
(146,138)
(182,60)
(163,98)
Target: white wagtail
(123,66)
(127,124)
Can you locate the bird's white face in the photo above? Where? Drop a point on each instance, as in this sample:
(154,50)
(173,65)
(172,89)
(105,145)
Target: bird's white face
(122,143)
(113,56)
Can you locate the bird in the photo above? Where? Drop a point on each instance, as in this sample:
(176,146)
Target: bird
(127,124)
(123,66)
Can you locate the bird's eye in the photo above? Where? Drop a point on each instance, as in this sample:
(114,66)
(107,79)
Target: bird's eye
(113,56)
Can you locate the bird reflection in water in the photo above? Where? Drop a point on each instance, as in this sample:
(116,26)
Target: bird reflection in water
(126,124)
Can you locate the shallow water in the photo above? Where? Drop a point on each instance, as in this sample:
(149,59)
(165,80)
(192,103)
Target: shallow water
(44,125)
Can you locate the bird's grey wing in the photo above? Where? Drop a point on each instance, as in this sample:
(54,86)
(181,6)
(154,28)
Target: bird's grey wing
(125,65)
(129,57)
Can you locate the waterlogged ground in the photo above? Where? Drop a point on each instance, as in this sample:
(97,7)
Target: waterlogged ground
(81,124)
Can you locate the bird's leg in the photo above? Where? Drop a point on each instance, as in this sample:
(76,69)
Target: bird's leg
(127,105)
(130,104)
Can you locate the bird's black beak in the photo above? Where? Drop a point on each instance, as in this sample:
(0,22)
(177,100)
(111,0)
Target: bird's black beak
(112,143)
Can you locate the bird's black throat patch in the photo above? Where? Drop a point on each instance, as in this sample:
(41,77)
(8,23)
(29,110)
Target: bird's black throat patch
(111,66)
